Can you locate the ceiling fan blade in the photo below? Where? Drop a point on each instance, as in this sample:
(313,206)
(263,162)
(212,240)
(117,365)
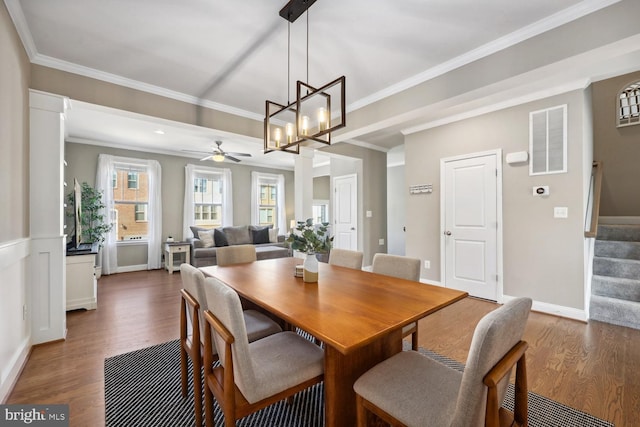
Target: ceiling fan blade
(227,156)
(238,154)
(206,158)
(199,152)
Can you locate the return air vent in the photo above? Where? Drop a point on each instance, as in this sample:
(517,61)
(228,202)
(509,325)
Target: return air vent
(548,141)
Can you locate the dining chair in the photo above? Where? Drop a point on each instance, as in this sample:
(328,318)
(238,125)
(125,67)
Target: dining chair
(346,258)
(413,390)
(192,329)
(236,254)
(402,267)
(251,375)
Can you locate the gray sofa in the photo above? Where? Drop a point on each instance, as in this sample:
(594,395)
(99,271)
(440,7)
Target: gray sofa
(268,244)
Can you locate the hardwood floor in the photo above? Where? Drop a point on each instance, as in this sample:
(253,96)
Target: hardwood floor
(592,367)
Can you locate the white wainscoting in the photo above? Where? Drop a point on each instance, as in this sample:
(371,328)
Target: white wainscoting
(15,325)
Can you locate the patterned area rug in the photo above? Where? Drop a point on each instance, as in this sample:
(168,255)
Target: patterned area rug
(142,388)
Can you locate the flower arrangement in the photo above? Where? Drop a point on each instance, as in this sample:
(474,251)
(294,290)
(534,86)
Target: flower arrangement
(309,238)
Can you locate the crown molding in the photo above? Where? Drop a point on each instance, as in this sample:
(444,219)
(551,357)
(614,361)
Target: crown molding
(529,97)
(556,20)
(20,22)
(364,144)
(70,67)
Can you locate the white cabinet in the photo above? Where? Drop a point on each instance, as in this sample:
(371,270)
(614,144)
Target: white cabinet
(82,286)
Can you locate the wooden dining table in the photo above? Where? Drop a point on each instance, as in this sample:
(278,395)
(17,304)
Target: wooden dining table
(358,315)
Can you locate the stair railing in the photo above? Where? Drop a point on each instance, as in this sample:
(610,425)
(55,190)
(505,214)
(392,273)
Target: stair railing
(595,190)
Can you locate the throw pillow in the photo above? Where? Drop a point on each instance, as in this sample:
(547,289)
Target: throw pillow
(219,238)
(195,229)
(238,235)
(273,235)
(260,236)
(207,238)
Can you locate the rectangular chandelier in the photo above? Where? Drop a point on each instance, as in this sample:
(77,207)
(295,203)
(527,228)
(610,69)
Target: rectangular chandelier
(314,114)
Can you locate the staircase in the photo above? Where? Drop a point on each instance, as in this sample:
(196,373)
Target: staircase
(615,287)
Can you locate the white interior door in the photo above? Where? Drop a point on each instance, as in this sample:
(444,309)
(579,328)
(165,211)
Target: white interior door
(470,225)
(345,202)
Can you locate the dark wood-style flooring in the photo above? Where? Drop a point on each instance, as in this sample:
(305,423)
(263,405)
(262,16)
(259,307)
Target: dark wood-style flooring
(592,367)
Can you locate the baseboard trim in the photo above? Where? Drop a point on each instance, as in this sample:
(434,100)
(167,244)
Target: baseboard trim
(619,220)
(555,310)
(431,282)
(130,268)
(16,365)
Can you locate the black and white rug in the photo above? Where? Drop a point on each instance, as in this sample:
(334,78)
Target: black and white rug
(142,389)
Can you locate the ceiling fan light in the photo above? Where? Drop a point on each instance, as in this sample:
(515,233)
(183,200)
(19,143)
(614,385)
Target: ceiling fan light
(218,157)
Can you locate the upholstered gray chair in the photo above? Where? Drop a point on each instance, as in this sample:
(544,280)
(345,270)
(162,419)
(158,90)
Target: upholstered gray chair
(253,375)
(236,254)
(413,390)
(192,329)
(346,258)
(402,267)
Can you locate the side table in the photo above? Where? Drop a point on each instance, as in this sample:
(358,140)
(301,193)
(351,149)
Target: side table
(172,248)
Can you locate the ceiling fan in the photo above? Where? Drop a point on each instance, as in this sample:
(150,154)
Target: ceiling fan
(219,155)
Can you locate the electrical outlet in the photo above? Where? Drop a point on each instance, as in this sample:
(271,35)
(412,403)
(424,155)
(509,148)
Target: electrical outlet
(369,214)
(381,242)
(427,264)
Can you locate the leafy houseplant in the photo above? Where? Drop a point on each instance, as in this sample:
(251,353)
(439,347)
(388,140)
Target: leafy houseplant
(310,239)
(94,224)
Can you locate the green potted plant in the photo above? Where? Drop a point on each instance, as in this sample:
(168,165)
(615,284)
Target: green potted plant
(312,240)
(94,223)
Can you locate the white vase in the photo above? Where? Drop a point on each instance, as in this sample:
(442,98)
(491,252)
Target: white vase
(310,271)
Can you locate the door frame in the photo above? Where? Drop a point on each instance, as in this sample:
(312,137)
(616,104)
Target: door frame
(499,248)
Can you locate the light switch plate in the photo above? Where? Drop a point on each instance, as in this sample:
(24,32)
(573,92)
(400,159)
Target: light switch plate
(369,214)
(381,242)
(560,212)
(427,264)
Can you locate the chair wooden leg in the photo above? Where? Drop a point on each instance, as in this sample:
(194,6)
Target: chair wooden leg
(197,390)
(208,406)
(521,409)
(183,370)
(414,340)
(361,412)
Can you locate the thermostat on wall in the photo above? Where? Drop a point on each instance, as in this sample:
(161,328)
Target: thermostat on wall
(519,157)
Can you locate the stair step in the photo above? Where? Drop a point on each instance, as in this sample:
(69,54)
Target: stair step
(617,249)
(614,287)
(615,311)
(619,232)
(616,267)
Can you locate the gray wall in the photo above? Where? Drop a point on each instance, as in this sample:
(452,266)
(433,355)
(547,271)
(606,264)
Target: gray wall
(15,275)
(82,161)
(396,204)
(543,256)
(322,188)
(617,148)
(373,187)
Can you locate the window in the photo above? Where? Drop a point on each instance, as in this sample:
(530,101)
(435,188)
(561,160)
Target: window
(267,200)
(268,204)
(320,211)
(629,105)
(132,180)
(548,141)
(207,199)
(131,201)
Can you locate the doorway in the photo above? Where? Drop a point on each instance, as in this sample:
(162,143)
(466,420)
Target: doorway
(471,223)
(345,208)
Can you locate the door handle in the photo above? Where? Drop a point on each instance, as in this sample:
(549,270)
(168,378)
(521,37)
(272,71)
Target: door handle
(447,233)
(353,229)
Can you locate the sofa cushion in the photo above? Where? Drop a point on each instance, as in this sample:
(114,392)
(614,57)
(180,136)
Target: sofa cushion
(220,238)
(273,235)
(260,236)
(238,235)
(207,238)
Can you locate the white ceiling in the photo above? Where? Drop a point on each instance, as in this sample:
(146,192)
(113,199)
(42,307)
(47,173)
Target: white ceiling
(232,55)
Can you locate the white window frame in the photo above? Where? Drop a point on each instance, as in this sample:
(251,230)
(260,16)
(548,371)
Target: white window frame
(193,172)
(258,179)
(629,100)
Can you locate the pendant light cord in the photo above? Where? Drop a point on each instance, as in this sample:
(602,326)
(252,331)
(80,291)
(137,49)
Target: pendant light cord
(307,46)
(288,63)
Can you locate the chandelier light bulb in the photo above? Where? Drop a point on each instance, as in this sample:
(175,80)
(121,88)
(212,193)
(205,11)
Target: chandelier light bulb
(322,118)
(305,125)
(289,131)
(278,136)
